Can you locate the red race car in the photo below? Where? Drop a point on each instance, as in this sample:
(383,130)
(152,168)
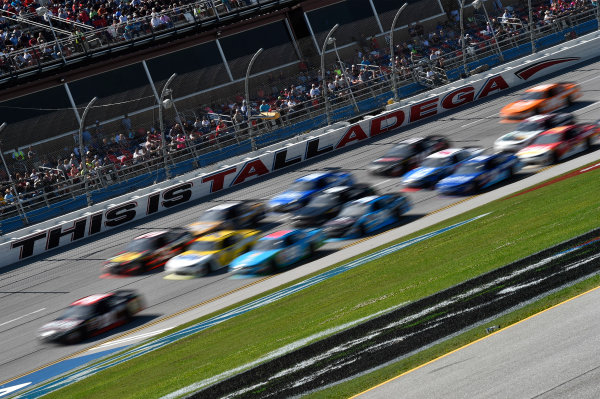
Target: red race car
(559,143)
(148,252)
(92,315)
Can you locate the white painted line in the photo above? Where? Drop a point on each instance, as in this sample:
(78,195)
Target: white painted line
(381,182)
(590,79)
(20,317)
(480,120)
(128,339)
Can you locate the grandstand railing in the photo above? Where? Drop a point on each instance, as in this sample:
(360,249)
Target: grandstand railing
(124,175)
(83,43)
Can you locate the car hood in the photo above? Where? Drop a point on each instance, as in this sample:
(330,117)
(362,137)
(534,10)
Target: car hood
(344,221)
(457,180)
(535,150)
(422,173)
(61,325)
(289,196)
(311,211)
(199,228)
(190,258)
(126,257)
(518,136)
(387,160)
(520,106)
(253,258)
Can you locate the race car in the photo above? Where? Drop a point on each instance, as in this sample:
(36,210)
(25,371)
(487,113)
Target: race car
(559,143)
(211,252)
(529,129)
(437,166)
(91,316)
(328,204)
(479,173)
(148,251)
(407,155)
(366,215)
(277,250)
(304,188)
(230,216)
(541,100)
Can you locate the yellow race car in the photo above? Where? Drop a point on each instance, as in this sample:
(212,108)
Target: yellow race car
(210,252)
(228,216)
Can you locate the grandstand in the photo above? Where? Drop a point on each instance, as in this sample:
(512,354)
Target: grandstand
(209,45)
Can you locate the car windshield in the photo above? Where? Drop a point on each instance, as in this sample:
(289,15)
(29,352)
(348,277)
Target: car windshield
(353,210)
(140,245)
(528,126)
(302,185)
(435,162)
(213,215)
(470,168)
(325,200)
(533,95)
(547,139)
(203,246)
(267,245)
(400,151)
(79,312)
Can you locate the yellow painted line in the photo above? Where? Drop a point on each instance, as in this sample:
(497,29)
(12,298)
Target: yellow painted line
(472,343)
(137,329)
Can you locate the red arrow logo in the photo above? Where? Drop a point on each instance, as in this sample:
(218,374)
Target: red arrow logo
(530,70)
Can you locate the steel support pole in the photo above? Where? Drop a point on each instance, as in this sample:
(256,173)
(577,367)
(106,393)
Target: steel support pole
(325,88)
(342,65)
(462,37)
(247,94)
(13,186)
(531,33)
(163,140)
(394,73)
(487,17)
(86,183)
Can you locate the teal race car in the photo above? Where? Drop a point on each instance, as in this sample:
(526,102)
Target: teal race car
(278,250)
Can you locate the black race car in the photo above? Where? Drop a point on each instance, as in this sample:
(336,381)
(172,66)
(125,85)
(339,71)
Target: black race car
(91,316)
(407,155)
(328,204)
(149,251)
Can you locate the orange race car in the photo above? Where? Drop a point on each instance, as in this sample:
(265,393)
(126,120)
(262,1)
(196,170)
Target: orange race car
(540,100)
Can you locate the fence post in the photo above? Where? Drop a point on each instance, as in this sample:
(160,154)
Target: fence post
(88,195)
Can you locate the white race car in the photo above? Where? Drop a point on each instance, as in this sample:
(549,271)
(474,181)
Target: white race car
(529,129)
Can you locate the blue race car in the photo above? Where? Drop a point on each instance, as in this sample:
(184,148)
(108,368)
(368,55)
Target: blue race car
(479,173)
(277,250)
(438,165)
(304,188)
(366,215)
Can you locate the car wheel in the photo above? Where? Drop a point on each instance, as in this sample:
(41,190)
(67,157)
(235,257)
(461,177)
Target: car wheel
(569,101)
(553,159)
(362,230)
(273,266)
(311,249)
(75,336)
(588,144)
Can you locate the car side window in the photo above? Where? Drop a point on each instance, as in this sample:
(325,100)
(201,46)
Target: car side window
(102,307)
(160,242)
(289,240)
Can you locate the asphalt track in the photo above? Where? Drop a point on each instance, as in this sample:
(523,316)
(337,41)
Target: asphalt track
(36,291)
(551,355)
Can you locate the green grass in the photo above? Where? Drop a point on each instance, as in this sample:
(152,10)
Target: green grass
(515,228)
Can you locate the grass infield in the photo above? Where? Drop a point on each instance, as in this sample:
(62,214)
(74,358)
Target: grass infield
(516,227)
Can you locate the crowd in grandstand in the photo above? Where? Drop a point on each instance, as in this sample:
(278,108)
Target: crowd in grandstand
(40,177)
